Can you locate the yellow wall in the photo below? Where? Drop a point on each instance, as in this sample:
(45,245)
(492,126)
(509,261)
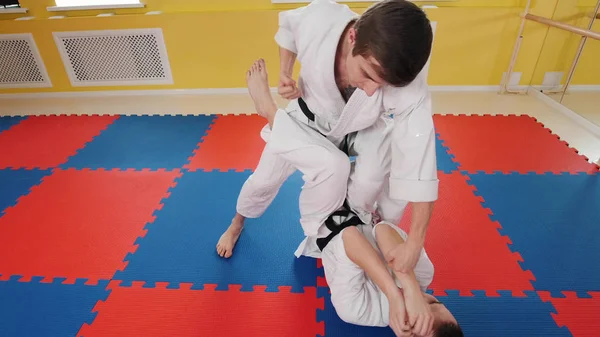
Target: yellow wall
(211,42)
(588,67)
(560,47)
(201,55)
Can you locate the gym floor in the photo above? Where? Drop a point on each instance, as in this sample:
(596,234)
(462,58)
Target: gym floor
(108,225)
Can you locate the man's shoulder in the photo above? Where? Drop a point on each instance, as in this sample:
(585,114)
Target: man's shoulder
(399,98)
(324,11)
(328,4)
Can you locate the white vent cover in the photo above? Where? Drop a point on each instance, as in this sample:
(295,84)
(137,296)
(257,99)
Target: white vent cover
(21,65)
(115,57)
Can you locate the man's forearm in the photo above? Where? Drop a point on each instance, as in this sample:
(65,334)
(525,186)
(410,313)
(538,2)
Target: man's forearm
(387,240)
(287,60)
(421,213)
(361,252)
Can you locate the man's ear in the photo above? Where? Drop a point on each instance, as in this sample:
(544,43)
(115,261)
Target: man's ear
(352,35)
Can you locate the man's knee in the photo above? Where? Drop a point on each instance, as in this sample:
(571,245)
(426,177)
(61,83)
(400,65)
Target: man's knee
(349,233)
(365,185)
(256,195)
(329,171)
(357,314)
(262,185)
(338,164)
(348,315)
(348,308)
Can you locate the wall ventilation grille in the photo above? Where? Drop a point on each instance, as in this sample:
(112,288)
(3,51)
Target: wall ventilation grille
(116,57)
(21,65)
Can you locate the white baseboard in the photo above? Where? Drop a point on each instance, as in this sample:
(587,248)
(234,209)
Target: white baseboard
(579,88)
(454,88)
(474,88)
(591,127)
(572,88)
(156,92)
(219,91)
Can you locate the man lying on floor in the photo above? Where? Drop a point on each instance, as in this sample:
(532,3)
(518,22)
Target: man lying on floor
(364,291)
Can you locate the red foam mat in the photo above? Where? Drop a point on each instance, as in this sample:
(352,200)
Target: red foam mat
(79,224)
(138,311)
(48,141)
(465,247)
(507,144)
(232,143)
(580,315)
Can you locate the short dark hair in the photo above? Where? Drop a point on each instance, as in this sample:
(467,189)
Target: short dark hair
(398,34)
(448,329)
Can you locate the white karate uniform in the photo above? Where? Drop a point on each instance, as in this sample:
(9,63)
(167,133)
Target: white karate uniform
(391,135)
(354,295)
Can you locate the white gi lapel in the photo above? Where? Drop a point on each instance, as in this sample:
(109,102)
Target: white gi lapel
(360,112)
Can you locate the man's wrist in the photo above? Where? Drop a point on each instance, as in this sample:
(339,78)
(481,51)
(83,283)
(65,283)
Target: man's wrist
(416,240)
(393,294)
(409,282)
(419,223)
(286,73)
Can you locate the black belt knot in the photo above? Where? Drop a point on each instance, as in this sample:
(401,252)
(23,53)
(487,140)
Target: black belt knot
(337,228)
(311,116)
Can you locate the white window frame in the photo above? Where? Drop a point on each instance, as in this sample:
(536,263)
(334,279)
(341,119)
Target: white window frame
(342,1)
(95,7)
(13,10)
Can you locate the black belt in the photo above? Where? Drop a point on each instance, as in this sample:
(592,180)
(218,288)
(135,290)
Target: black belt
(309,114)
(345,211)
(337,228)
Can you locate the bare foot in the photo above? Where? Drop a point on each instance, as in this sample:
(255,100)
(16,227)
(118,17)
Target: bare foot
(230,237)
(258,85)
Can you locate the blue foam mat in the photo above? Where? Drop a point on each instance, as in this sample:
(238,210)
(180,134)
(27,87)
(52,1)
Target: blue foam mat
(143,142)
(478,315)
(553,221)
(47,309)
(7,122)
(335,327)
(180,244)
(16,183)
(445,161)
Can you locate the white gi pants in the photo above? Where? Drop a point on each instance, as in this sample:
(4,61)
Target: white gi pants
(354,295)
(295,144)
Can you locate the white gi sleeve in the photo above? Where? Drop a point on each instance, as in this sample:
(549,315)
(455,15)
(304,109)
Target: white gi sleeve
(288,28)
(413,175)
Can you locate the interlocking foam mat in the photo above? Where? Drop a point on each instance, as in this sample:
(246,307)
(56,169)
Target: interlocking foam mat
(108,227)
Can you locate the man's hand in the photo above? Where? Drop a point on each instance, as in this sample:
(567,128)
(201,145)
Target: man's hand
(287,87)
(419,313)
(398,318)
(403,258)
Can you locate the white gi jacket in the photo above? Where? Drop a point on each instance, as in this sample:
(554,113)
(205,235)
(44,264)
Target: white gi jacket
(313,33)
